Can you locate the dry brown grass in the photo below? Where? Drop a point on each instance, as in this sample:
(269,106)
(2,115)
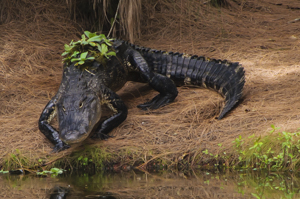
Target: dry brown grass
(255,33)
(30,63)
(101,12)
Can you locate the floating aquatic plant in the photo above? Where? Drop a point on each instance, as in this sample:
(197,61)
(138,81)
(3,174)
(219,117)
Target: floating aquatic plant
(54,172)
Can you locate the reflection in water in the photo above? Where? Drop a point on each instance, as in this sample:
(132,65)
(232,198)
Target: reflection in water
(59,192)
(164,184)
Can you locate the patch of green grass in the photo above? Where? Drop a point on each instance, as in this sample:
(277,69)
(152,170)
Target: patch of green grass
(275,151)
(16,160)
(90,157)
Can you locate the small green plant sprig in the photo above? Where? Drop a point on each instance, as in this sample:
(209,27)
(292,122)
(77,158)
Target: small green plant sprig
(54,172)
(91,47)
(1,171)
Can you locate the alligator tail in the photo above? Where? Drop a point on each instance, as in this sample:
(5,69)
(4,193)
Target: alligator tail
(225,77)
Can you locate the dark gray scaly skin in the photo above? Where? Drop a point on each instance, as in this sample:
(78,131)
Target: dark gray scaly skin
(82,93)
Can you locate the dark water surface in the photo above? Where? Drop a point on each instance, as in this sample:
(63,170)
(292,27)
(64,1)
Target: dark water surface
(164,184)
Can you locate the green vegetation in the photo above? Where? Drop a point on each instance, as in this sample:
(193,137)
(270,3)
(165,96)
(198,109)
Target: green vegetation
(91,157)
(275,151)
(53,171)
(4,171)
(17,160)
(91,47)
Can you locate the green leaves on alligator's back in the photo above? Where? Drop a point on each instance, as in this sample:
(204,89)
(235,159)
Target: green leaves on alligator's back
(82,59)
(91,47)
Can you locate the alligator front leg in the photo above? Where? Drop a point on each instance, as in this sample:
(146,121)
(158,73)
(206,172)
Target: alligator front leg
(115,104)
(50,132)
(164,85)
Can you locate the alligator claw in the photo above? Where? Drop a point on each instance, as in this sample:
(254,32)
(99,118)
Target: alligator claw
(102,136)
(60,147)
(157,102)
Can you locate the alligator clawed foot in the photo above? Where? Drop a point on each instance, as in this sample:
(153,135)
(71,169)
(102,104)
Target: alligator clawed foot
(102,136)
(60,147)
(157,102)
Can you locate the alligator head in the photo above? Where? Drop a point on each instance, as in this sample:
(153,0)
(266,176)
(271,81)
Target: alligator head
(79,111)
(78,114)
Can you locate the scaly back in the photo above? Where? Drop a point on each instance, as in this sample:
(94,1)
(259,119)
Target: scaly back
(225,77)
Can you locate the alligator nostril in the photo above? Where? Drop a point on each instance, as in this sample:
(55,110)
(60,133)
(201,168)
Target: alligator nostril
(73,136)
(70,136)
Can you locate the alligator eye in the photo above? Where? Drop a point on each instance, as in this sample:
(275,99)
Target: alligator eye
(80,104)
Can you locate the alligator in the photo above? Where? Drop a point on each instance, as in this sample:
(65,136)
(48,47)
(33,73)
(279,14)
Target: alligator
(86,89)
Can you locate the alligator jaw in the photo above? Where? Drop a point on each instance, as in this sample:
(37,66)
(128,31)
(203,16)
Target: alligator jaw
(72,137)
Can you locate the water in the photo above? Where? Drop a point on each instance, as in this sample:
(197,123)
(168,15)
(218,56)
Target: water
(163,184)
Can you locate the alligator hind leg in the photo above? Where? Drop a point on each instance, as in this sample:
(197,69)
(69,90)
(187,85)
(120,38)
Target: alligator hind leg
(115,104)
(167,92)
(164,85)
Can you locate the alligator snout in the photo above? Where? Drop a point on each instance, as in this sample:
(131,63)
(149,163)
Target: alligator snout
(73,136)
